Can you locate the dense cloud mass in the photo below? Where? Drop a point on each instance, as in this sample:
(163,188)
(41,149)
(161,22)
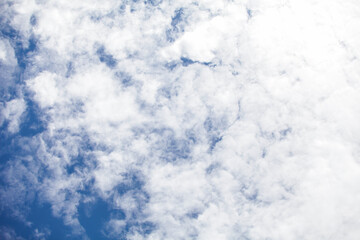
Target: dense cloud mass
(163,119)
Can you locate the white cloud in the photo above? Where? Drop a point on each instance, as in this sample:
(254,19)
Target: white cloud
(6,53)
(261,143)
(45,89)
(12,113)
(7,67)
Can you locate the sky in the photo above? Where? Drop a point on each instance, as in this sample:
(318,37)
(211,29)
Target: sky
(162,119)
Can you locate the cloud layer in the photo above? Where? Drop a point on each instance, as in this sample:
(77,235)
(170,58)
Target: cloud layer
(180,120)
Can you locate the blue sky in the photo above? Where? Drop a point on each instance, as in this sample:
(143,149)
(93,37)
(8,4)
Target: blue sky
(179,120)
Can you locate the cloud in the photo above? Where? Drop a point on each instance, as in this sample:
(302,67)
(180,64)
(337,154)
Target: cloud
(12,113)
(9,234)
(7,66)
(186,120)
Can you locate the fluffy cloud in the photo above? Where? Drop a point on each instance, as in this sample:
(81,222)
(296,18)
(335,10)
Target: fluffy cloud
(204,120)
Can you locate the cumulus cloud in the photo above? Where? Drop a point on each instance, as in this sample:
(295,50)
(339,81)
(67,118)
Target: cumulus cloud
(183,120)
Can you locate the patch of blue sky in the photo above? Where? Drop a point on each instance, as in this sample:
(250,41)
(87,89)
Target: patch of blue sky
(70,69)
(249,13)
(106,58)
(171,65)
(133,184)
(185,62)
(210,169)
(23,143)
(33,121)
(132,181)
(213,141)
(153,2)
(122,8)
(285,132)
(22,52)
(9,146)
(77,164)
(125,78)
(263,153)
(176,149)
(33,20)
(24,49)
(213,128)
(42,218)
(170,147)
(176,27)
(209,64)
(94,215)
(9,74)
(95,17)
(250,194)
(17,225)
(7,31)
(194,214)
(36,212)
(143,228)
(99,16)
(82,148)
(168,92)
(178,17)
(210,125)
(276,135)
(191,136)
(171,35)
